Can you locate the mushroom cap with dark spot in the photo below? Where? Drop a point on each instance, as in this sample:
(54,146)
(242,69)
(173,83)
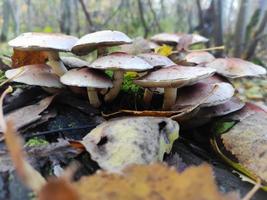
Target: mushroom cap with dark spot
(174,77)
(43,41)
(37,74)
(73,62)
(121,61)
(236,68)
(156,60)
(105,38)
(86,77)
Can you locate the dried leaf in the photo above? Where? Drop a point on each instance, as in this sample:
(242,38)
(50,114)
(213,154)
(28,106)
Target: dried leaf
(141,182)
(164,50)
(247,140)
(22,58)
(28,114)
(131,140)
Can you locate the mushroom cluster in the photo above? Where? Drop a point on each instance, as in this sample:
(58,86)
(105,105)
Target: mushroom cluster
(189,83)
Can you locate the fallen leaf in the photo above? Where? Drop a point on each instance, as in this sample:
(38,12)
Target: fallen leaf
(164,50)
(22,58)
(120,142)
(151,182)
(28,114)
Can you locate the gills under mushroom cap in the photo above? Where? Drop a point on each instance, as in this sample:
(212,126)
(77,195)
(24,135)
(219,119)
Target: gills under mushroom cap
(73,62)
(236,68)
(105,38)
(174,77)
(39,75)
(43,41)
(86,77)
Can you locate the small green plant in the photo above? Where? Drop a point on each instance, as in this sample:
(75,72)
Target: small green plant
(36,142)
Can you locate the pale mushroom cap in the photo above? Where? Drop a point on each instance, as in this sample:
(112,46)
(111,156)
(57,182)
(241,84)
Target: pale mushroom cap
(74,62)
(92,41)
(236,68)
(121,61)
(198,39)
(39,75)
(43,41)
(86,77)
(166,38)
(139,45)
(199,57)
(174,77)
(205,95)
(156,60)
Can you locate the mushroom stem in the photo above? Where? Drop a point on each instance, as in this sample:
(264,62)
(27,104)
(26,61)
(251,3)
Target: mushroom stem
(93,97)
(117,82)
(148,95)
(101,51)
(55,63)
(170,95)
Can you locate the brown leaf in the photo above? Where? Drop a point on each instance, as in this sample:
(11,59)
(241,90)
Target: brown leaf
(22,58)
(247,140)
(141,182)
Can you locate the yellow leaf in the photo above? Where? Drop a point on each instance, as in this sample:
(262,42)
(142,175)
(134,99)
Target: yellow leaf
(164,50)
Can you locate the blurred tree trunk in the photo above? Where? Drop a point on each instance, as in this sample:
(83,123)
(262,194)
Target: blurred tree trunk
(142,17)
(217,24)
(90,24)
(6,16)
(163,8)
(29,15)
(156,20)
(15,14)
(200,15)
(240,31)
(76,19)
(256,36)
(65,19)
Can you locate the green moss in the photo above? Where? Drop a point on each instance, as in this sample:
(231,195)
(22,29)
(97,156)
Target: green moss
(2,76)
(129,86)
(221,127)
(36,142)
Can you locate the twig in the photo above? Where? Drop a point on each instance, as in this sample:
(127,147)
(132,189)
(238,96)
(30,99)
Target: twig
(256,187)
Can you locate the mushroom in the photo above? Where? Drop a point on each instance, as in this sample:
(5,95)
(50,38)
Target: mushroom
(124,141)
(199,57)
(171,39)
(236,68)
(89,78)
(73,62)
(119,63)
(53,43)
(156,60)
(171,78)
(38,74)
(99,41)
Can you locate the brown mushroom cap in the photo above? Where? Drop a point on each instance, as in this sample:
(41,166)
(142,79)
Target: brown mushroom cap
(156,60)
(105,38)
(199,57)
(205,95)
(38,74)
(43,41)
(86,77)
(166,38)
(236,68)
(121,61)
(73,62)
(174,77)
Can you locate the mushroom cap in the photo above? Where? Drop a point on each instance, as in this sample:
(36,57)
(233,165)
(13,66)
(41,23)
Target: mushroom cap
(43,41)
(73,62)
(105,38)
(199,57)
(37,74)
(121,61)
(156,60)
(236,68)
(174,77)
(204,94)
(166,38)
(86,77)
(196,38)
